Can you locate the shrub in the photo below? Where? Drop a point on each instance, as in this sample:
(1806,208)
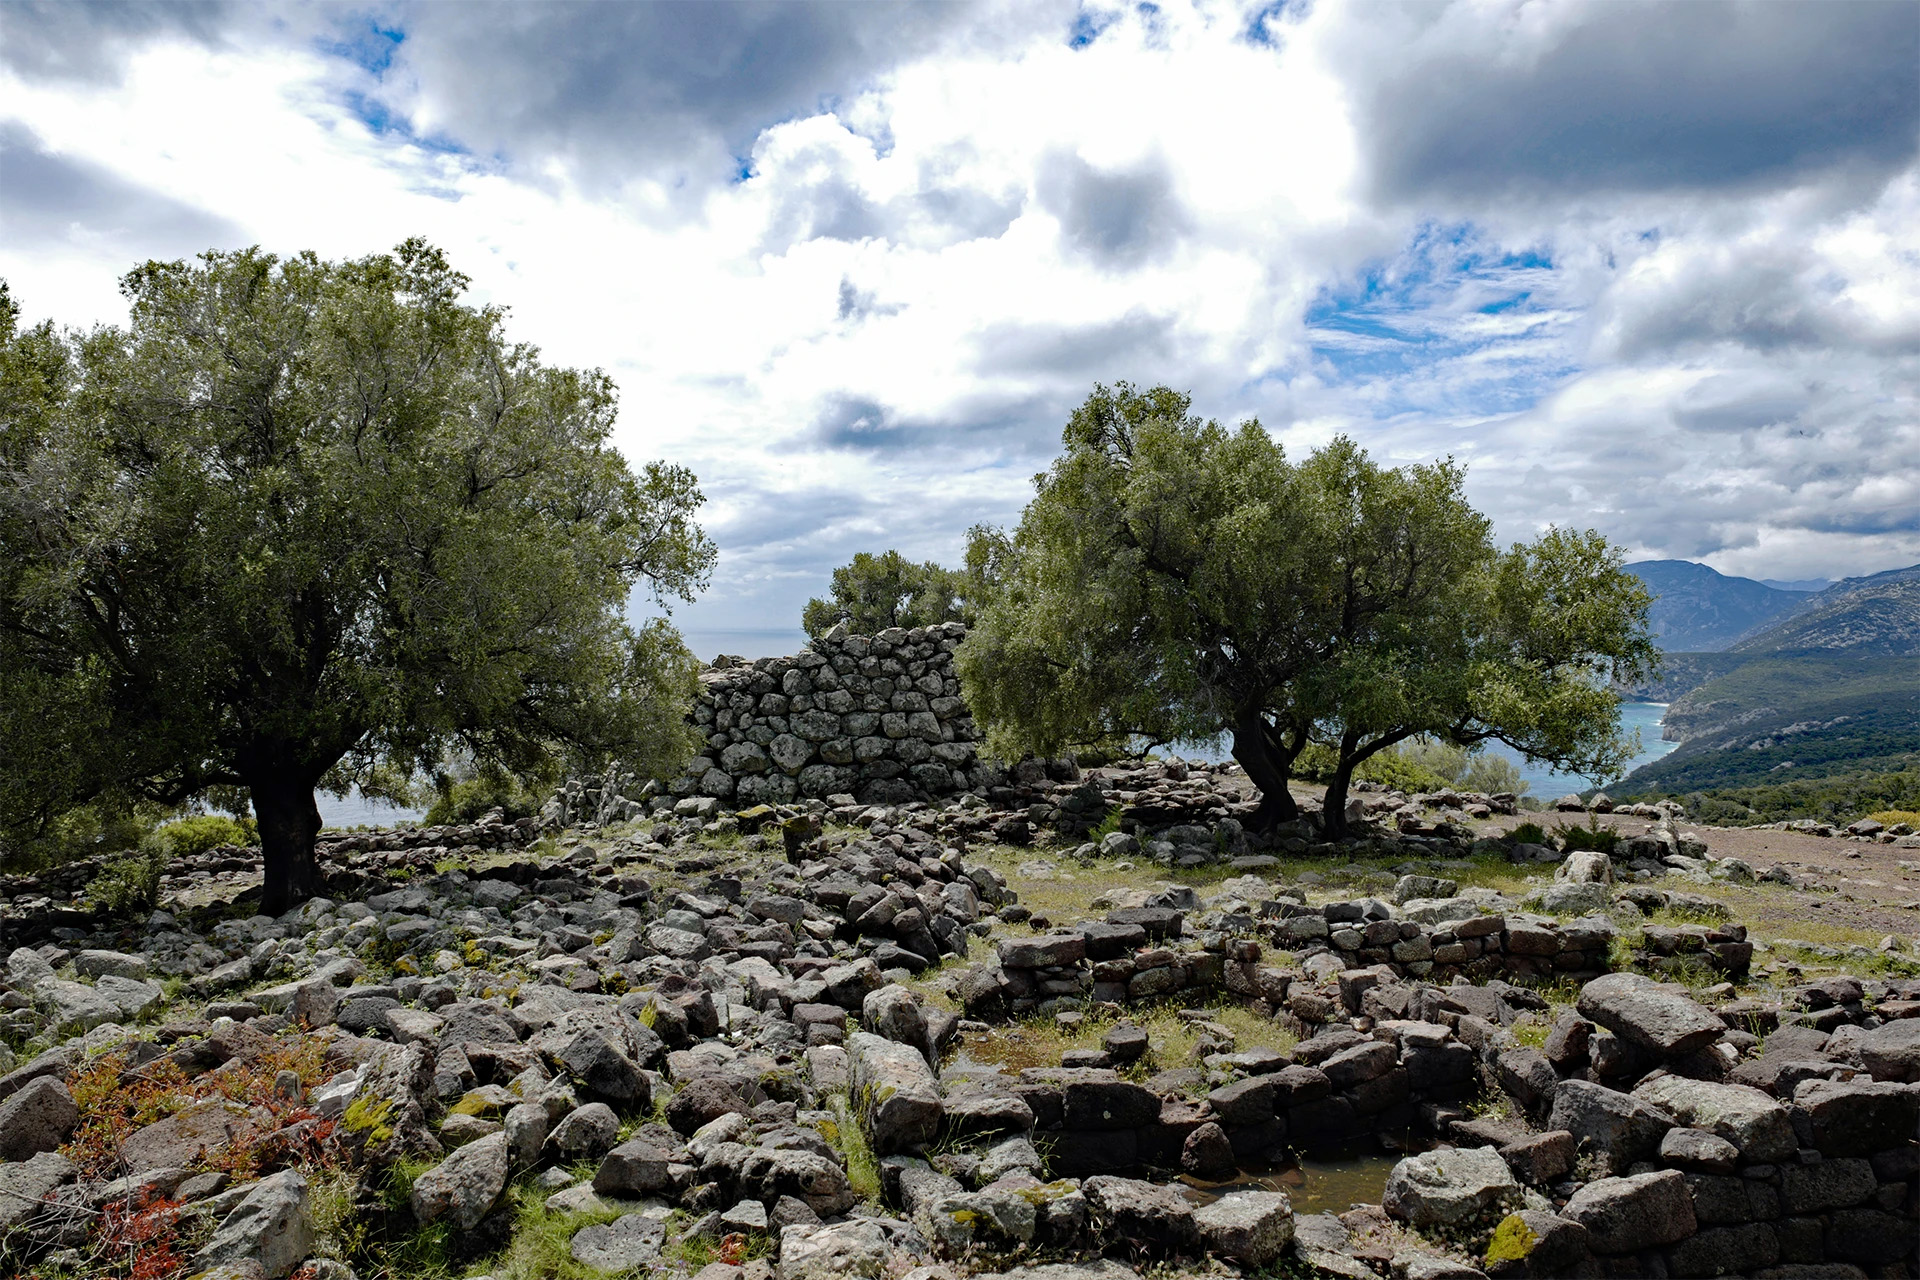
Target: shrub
(1600,839)
(1527,833)
(467,799)
(1441,759)
(1390,768)
(131,885)
(1493,775)
(191,836)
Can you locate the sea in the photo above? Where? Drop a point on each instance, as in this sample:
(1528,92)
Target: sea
(1543,782)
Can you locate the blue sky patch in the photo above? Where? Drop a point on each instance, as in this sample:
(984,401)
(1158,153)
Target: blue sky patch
(371,47)
(1452,325)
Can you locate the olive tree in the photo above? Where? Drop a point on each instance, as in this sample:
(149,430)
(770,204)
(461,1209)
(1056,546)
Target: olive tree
(1157,587)
(1173,580)
(874,592)
(302,521)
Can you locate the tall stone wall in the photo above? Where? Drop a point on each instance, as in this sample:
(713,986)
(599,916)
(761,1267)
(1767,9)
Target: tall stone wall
(877,717)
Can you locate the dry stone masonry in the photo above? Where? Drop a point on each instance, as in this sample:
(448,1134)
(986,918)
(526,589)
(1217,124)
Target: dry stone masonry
(675,1024)
(876,718)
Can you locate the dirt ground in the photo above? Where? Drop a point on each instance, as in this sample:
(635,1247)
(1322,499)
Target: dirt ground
(1862,888)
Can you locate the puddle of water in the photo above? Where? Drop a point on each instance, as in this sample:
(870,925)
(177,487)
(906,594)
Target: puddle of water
(1327,1182)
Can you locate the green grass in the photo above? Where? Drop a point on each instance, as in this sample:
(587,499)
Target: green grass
(541,1246)
(1039,1042)
(844,1134)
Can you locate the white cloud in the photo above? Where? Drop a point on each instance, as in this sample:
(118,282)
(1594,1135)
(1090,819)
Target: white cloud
(943,239)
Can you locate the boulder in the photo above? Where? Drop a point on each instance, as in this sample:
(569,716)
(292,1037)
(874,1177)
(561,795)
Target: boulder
(601,1067)
(638,1167)
(188,1137)
(386,1119)
(1450,1187)
(1208,1154)
(585,1133)
(1252,1228)
(1585,866)
(897,1014)
(993,1219)
(631,1242)
(1096,1099)
(1856,1117)
(73,1005)
(1130,1214)
(701,1101)
(133,997)
(96,964)
(1830,1184)
(1578,898)
(1755,1123)
(767,1174)
(1535,1243)
(1892,1052)
(269,1227)
(1697,1149)
(38,1118)
(1620,1128)
(1015,1155)
(24,1185)
(1097,1269)
(1245,1102)
(1043,952)
(525,1125)
(854,1250)
(896,1093)
(1626,1215)
(1648,1014)
(463,1187)
(1742,1250)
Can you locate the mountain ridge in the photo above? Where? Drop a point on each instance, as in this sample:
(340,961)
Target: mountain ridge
(1830,689)
(1698,609)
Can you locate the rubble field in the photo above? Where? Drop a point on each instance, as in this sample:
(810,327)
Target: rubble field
(1068,1024)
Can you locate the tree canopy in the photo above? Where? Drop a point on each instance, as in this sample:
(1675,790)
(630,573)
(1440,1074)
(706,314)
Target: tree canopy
(874,592)
(1173,580)
(300,521)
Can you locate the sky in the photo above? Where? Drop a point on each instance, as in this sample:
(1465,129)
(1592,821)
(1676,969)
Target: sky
(1646,268)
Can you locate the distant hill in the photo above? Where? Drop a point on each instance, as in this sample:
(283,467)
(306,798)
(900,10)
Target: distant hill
(1828,692)
(1698,610)
(1801,584)
(1879,615)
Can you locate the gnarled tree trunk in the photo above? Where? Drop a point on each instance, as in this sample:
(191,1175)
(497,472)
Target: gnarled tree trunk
(289,819)
(1260,750)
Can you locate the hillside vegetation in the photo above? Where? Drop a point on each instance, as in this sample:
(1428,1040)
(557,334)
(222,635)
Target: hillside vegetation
(1816,716)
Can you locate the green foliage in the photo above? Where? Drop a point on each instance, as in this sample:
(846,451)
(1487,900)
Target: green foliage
(303,521)
(1494,775)
(850,1140)
(542,1243)
(190,836)
(1527,833)
(1173,580)
(109,824)
(1391,767)
(1823,717)
(872,593)
(1435,756)
(1574,838)
(130,885)
(1838,798)
(484,786)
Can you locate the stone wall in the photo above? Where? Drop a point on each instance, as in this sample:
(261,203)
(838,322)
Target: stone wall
(876,718)
(1137,954)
